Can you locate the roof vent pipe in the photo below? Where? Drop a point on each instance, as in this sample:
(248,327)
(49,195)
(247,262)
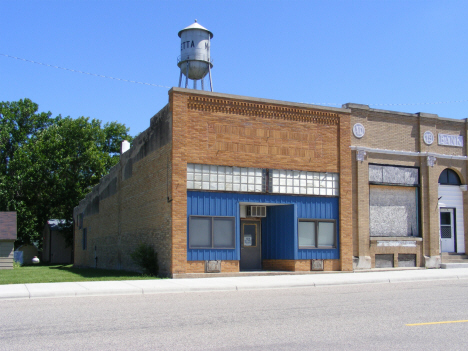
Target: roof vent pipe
(124,147)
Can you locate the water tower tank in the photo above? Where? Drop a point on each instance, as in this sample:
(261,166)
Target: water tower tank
(194,60)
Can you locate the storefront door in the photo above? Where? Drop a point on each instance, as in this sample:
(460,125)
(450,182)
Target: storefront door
(251,246)
(447,230)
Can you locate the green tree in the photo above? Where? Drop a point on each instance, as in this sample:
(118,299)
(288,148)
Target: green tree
(57,166)
(19,122)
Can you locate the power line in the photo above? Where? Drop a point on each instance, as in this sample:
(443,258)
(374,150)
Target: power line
(421,103)
(408,104)
(89,74)
(163,86)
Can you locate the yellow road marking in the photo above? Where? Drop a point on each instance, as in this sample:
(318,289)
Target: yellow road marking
(446,322)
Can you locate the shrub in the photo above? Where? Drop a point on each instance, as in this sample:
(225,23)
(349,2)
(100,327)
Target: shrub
(146,258)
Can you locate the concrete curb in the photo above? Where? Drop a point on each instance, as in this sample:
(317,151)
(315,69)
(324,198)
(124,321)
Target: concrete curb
(189,285)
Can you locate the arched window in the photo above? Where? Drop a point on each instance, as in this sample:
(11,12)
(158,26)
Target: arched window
(449,177)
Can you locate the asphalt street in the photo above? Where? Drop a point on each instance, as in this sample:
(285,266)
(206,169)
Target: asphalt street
(327,317)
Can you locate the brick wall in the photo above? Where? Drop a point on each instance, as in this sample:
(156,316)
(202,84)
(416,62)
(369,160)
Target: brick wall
(144,198)
(131,205)
(219,129)
(389,130)
(299,265)
(199,266)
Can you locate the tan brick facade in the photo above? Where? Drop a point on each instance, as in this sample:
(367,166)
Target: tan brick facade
(223,129)
(130,206)
(393,138)
(299,265)
(199,266)
(144,198)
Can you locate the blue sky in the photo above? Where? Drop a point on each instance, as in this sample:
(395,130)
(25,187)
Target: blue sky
(409,56)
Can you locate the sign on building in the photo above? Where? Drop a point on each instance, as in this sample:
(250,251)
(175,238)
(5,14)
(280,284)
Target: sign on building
(450,140)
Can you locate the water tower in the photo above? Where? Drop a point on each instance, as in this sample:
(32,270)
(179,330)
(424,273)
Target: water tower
(194,60)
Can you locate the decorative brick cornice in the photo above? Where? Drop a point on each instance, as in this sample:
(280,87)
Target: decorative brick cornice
(200,103)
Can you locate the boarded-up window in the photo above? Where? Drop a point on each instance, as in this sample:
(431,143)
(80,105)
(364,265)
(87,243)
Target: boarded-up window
(406,260)
(85,239)
(384,261)
(393,211)
(393,175)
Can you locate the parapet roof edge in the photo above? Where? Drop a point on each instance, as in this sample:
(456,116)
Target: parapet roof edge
(268,101)
(351,105)
(462,120)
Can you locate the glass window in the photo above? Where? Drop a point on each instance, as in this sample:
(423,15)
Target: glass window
(306,232)
(200,232)
(445,218)
(85,238)
(302,182)
(250,234)
(326,234)
(223,178)
(449,177)
(316,234)
(223,232)
(206,232)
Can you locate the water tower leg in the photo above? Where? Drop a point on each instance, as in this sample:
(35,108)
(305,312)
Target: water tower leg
(186,77)
(202,84)
(211,82)
(180,78)
(195,84)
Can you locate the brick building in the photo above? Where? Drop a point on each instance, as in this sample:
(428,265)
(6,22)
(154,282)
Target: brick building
(409,192)
(229,183)
(232,183)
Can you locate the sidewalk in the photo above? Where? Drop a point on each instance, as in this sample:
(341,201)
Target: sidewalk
(138,287)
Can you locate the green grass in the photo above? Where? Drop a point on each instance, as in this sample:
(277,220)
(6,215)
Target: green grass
(63,273)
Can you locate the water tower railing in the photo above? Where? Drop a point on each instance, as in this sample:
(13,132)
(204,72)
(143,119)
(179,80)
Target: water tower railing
(179,59)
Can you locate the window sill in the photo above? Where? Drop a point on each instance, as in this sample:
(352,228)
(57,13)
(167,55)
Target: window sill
(395,238)
(213,248)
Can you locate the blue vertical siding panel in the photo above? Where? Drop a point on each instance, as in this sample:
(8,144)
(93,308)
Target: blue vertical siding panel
(320,208)
(224,207)
(200,204)
(270,237)
(213,204)
(264,229)
(279,228)
(294,232)
(266,238)
(288,232)
(279,233)
(189,210)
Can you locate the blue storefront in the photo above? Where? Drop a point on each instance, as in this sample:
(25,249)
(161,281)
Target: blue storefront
(293,227)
